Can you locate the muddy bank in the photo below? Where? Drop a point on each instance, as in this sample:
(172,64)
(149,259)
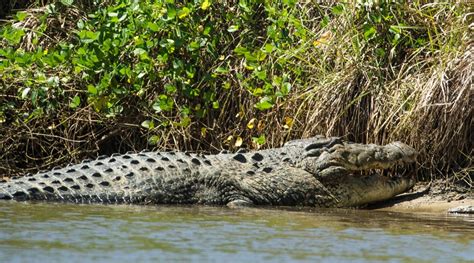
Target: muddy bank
(436,197)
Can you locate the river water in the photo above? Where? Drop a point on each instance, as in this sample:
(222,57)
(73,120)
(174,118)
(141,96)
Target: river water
(45,232)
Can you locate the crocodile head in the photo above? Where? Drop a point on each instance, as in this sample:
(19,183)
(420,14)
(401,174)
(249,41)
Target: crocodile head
(357,174)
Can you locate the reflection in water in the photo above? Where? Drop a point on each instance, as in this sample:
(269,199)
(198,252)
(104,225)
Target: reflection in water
(59,232)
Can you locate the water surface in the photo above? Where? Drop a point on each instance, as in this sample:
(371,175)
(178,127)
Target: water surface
(45,232)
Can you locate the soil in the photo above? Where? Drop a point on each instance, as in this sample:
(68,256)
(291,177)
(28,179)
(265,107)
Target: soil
(435,197)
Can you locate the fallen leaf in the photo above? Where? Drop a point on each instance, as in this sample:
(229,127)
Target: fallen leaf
(238,142)
(251,123)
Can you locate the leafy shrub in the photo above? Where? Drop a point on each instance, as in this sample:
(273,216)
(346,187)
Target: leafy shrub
(174,60)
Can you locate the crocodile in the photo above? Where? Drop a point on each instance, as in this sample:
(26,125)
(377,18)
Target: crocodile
(317,171)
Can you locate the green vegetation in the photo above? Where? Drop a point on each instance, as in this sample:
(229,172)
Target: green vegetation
(78,78)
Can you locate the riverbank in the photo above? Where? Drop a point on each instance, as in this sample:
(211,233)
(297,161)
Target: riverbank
(80,79)
(438,197)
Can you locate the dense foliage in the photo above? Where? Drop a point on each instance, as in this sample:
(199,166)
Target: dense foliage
(101,76)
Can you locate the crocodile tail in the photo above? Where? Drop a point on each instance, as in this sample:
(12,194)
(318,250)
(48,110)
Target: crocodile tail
(117,179)
(44,186)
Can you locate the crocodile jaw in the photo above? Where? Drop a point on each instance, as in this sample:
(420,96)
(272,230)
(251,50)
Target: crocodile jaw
(362,190)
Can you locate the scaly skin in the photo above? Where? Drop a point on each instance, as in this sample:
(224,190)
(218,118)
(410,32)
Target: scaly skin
(321,172)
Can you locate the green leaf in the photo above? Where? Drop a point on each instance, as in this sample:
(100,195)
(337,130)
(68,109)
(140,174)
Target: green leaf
(164,103)
(337,10)
(170,89)
(269,48)
(153,140)
(395,29)
(153,27)
(171,13)
(20,16)
(369,32)
(380,52)
(193,46)
(286,88)
(185,121)
(80,24)
(265,103)
(92,89)
(67,2)
(260,140)
(233,28)
(324,22)
(221,70)
(184,12)
(87,36)
(261,74)
(139,51)
(76,101)
(24,93)
(258,92)
(251,57)
(205,4)
(148,124)
(14,36)
(241,50)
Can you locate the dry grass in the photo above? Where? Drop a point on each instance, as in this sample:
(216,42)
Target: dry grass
(424,97)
